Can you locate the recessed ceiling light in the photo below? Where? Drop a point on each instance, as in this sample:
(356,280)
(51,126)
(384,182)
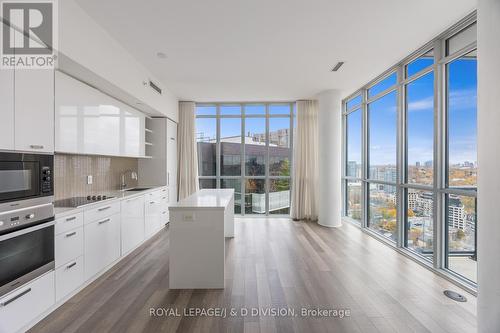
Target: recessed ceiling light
(161,55)
(337,66)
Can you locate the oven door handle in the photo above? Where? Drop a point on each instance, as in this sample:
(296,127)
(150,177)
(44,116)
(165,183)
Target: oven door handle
(10,300)
(27,230)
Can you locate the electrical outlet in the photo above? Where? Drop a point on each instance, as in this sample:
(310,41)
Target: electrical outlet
(188,217)
(89,180)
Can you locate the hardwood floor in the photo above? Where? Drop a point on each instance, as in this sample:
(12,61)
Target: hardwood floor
(274,263)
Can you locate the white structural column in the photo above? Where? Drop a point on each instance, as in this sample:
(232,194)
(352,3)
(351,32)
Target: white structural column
(488,309)
(330,158)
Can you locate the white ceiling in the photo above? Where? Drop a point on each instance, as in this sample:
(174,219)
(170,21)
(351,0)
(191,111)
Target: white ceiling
(269,50)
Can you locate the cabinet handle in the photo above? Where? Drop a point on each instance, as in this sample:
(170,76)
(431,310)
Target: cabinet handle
(104,221)
(133,199)
(71,219)
(7,302)
(36,146)
(71,234)
(163,198)
(71,265)
(152,202)
(168,178)
(104,208)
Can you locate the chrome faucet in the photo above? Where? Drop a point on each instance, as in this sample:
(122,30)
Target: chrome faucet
(133,175)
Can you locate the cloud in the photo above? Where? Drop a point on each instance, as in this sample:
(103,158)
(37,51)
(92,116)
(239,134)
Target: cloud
(422,104)
(463,99)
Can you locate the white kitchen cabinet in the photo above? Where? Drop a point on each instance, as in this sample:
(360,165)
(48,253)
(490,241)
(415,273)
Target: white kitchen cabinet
(162,167)
(7,109)
(69,277)
(88,121)
(21,306)
(100,212)
(68,222)
(34,110)
(154,211)
(132,220)
(152,217)
(172,160)
(102,244)
(68,246)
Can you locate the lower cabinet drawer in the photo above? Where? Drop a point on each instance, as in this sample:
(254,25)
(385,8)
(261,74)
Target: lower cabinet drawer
(69,245)
(69,277)
(93,214)
(69,222)
(23,305)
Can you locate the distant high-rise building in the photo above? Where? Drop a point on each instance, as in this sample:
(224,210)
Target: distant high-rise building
(353,169)
(428,164)
(390,175)
(424,203)
(412,199)
(417,164)
(456,213)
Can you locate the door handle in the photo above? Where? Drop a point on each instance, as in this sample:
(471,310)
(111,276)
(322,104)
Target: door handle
(71,265)
(104,221)
(21,294)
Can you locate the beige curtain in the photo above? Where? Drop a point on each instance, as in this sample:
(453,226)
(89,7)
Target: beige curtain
(305,162)
(188,158)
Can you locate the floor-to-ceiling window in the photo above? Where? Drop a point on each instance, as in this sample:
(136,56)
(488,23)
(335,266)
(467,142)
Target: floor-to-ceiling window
(382,156)
(354,153)
(461,154)
(247,147)
(410,161)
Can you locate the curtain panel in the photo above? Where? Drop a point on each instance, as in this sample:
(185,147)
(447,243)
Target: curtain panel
(188,157)
(305,163)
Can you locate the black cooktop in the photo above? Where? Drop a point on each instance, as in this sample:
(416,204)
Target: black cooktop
(80,201)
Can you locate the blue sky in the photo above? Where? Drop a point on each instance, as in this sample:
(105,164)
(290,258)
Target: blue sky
(462,113)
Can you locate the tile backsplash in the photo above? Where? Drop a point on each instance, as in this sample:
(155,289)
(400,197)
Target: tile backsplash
(71,171)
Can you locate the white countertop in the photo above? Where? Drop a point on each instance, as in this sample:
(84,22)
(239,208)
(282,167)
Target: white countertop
(117,195)
(206,199)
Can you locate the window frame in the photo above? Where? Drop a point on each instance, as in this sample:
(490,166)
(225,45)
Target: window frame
(438,188)
(243,177)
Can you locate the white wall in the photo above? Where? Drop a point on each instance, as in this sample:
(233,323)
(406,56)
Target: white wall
(330,158)
(488,308)
(85,42)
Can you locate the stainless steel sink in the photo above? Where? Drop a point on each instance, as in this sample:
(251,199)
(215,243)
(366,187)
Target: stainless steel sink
(137,189)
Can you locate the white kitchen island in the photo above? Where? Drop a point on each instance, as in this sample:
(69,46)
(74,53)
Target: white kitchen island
(198,227)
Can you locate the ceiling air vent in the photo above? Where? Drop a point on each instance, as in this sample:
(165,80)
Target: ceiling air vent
(155,87)
(337,66)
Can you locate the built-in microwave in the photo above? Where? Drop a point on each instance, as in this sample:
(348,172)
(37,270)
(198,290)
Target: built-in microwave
(25,179)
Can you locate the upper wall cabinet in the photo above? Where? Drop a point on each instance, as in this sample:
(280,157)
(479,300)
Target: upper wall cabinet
(90,122)
(27,110)
(34,110)
(7,109)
